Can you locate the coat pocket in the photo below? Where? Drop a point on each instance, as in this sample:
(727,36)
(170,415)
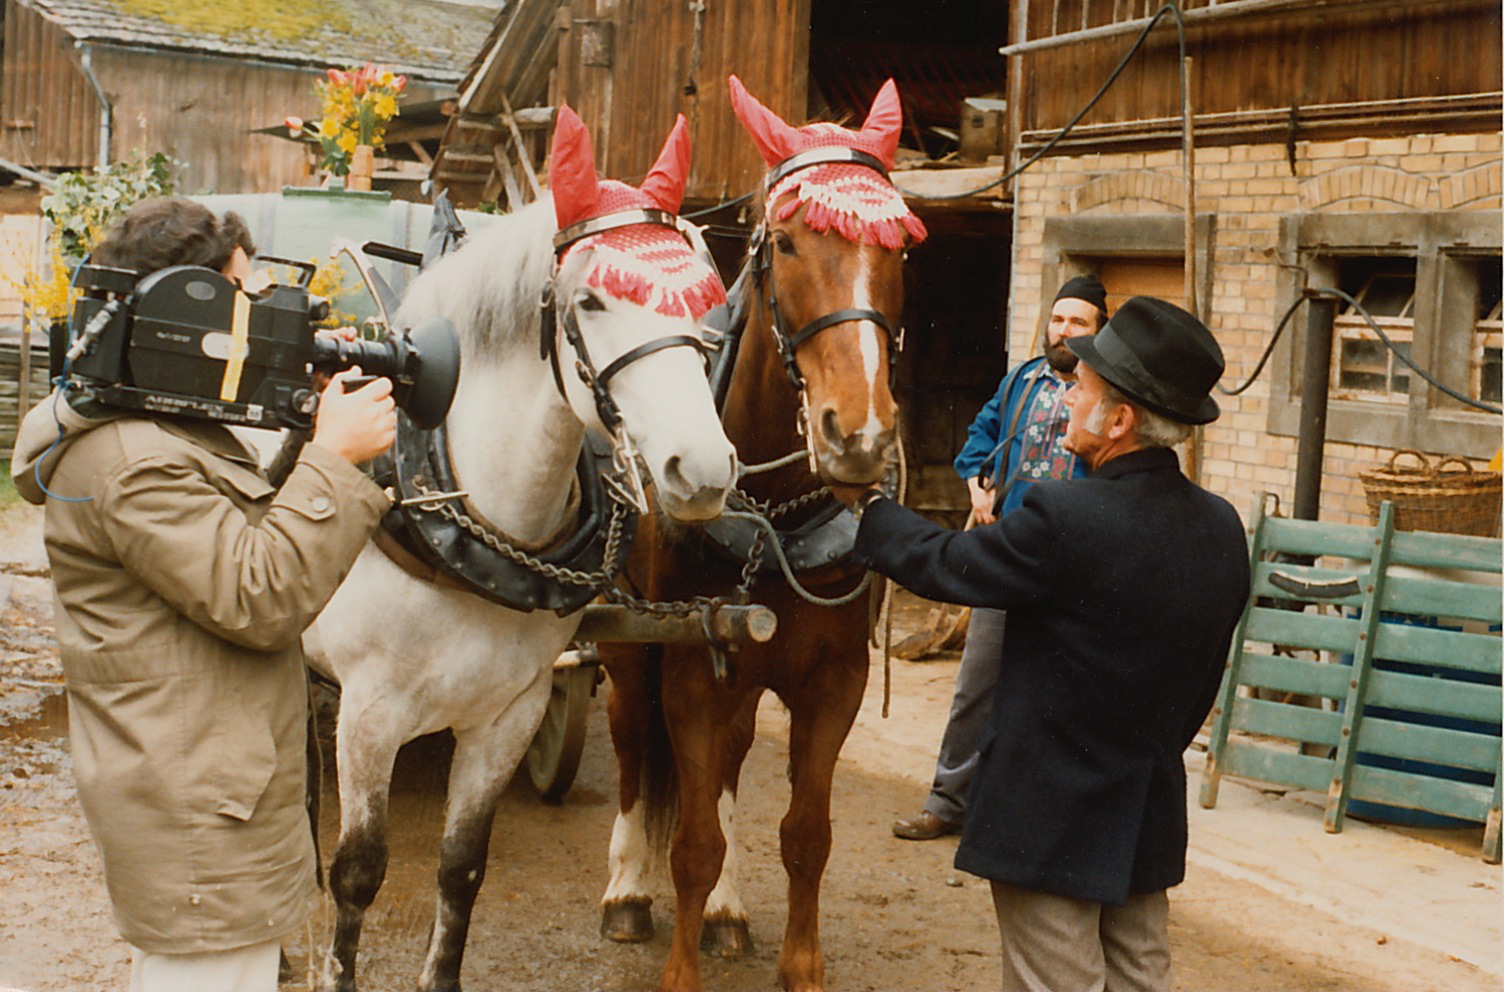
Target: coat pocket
(238,764)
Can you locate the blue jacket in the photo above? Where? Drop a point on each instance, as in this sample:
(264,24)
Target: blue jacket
(1122,592)
(984,441)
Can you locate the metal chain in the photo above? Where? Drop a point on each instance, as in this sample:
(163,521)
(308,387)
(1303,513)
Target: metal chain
(600,578)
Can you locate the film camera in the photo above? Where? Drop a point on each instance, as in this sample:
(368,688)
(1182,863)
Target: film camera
(186,340)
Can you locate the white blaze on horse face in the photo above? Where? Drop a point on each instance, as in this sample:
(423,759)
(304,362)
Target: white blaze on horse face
(871,348)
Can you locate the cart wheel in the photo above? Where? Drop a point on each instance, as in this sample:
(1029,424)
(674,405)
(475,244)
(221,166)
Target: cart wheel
(554,755)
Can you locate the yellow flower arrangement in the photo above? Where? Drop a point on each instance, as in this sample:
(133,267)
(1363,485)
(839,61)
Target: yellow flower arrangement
(357,104)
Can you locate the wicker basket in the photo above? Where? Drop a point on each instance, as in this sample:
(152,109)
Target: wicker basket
(1449,497)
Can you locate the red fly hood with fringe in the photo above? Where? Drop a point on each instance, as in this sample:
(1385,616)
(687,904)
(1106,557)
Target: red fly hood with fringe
(854,200)
(646,264)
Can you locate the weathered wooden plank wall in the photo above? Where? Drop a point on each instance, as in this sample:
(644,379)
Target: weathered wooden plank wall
(10,380)
(1353,54)
(176,104)
(653,74)
(49,118)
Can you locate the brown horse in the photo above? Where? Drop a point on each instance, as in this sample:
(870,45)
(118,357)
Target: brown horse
(809,400)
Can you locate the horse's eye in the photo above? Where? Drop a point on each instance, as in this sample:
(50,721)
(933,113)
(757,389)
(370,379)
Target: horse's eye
(591,302)
(784,243)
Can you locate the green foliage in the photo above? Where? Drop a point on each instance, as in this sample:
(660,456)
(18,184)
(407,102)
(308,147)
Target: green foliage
(8,494)
(85,204)
(278,20)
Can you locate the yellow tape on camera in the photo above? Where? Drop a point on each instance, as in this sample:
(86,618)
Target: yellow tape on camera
(240,346)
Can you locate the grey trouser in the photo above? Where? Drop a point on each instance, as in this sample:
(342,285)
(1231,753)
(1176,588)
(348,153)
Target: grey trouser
(970,709)
(1056,944)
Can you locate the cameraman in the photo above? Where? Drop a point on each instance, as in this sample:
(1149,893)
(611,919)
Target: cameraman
(184,581)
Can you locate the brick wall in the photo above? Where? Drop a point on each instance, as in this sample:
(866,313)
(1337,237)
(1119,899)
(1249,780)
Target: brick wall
(1249,188)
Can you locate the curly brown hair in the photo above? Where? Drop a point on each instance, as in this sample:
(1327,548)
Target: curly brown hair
(164,231)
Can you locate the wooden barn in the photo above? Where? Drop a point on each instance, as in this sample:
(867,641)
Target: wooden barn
(84,82)
(1317,142)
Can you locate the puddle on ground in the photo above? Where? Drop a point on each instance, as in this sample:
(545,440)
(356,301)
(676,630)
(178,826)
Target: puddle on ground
(48,725)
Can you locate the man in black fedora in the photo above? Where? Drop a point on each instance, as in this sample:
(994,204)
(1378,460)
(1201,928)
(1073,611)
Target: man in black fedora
(1122,591)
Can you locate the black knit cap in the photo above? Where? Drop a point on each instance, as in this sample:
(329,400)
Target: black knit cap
(1158,355)
(1088,288)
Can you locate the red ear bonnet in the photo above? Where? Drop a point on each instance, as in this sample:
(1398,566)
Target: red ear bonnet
(647,264)
(665,180)
(571,170)
(884,122)
(774,139)
(852,199)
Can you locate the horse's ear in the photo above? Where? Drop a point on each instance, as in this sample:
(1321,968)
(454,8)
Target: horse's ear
(775,140)
(884,122)
(571,170)
(666,179)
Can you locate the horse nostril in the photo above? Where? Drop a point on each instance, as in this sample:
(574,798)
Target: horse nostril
(830,427)
(674,476)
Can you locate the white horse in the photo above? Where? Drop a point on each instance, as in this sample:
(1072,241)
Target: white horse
(412,657)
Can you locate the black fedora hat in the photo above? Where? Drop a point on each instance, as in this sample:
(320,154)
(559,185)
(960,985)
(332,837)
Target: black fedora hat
(1157,355)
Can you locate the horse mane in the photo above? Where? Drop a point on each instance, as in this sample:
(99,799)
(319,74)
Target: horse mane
(490,288)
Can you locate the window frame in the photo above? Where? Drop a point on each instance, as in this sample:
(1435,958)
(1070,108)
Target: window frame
(1311,247)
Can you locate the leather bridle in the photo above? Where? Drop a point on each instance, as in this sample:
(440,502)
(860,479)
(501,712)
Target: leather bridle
(598,382)
(762,262)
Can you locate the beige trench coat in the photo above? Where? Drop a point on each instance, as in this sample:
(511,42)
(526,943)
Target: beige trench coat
(183,586)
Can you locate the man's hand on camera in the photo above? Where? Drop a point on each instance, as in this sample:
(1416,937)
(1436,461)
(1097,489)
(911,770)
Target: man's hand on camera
(321,379)
(357,426)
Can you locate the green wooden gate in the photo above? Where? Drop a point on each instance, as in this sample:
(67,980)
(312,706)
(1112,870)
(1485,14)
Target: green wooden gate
(1418,616)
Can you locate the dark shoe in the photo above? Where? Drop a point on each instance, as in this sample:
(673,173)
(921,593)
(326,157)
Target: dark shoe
(925,826)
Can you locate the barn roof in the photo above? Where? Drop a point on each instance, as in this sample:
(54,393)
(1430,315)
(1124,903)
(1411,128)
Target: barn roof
(430,40)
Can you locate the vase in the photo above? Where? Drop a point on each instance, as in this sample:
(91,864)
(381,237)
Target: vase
(362,167)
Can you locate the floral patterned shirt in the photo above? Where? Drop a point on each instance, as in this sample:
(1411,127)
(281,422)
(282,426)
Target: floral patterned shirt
(1042,449)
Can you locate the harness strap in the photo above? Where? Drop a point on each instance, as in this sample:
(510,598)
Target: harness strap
(822,156)
(612,221)
(396,552)
(838,317)
(643,350)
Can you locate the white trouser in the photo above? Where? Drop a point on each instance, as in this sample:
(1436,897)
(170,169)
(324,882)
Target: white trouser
(244,969)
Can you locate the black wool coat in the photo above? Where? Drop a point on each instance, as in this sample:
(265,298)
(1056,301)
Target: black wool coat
(1122,591)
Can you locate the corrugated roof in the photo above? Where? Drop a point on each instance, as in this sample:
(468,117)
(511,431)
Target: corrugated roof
(430,40)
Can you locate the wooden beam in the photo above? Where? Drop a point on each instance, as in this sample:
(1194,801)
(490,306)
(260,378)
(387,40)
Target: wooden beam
(1221,11)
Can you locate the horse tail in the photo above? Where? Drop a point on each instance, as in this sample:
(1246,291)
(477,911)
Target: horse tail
(660,777)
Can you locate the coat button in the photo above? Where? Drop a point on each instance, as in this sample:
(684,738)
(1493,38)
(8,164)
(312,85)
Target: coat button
(320,504)
(194,899)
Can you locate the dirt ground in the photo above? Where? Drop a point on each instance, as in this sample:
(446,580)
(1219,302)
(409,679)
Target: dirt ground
(895,915)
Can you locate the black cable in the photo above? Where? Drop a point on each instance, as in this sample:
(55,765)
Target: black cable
(733,202)
(1337,294)
(1045,149)
(1264,359)
(1333,293)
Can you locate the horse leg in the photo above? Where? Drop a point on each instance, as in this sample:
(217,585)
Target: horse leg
(626,907)
(697,733)
(484,758)
(365,747)
(820,723)
(726,933)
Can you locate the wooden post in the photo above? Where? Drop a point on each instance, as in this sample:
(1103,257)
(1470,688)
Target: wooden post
(1188,157)
(23,387)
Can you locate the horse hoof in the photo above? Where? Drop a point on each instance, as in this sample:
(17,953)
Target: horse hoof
(726,938)
(628,922)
